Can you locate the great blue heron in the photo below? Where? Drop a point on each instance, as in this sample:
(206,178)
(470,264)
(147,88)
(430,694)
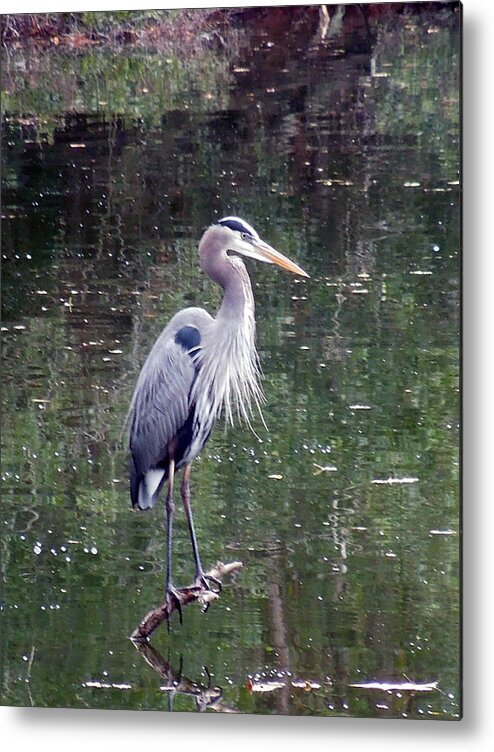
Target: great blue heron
(198,366)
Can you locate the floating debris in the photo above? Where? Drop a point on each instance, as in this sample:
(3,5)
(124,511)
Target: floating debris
(324,468)
(442,532)
(391,481)
(397,686)
(105,685)
(305,684)
(339,181)
(273,685)
(269,686)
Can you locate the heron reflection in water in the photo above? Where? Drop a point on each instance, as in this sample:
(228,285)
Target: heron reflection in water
(198,367)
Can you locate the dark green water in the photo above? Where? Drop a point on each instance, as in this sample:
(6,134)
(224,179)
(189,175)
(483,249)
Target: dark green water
(345,514)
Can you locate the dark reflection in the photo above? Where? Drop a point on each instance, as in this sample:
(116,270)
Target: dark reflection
(205,696)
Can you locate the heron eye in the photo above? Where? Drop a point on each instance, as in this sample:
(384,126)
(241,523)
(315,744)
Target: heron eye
(244,235)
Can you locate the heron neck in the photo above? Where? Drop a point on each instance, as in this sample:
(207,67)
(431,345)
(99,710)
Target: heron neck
(229,272)
(229,377)
(238,299)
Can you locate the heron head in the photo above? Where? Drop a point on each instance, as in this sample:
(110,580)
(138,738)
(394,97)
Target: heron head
(245,240)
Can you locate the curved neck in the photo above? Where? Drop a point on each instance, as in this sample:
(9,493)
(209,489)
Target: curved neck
(229,377)
(238,300)
(229,272)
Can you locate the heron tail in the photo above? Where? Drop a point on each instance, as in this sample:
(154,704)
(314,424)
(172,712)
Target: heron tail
(144,489)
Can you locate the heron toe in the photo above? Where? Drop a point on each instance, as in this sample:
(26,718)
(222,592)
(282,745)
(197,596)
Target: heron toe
(204,580)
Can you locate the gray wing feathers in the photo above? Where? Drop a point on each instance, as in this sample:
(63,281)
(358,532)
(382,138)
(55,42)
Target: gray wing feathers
(161,403)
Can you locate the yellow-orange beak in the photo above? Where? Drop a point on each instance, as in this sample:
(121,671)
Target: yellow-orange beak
(261,251)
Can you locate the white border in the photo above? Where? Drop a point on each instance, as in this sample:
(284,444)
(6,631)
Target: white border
(94,730)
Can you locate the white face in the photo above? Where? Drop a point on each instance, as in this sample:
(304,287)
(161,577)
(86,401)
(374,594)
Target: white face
(245,240)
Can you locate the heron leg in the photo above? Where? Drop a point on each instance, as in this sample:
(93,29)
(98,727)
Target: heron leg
(170,592)
(201,577)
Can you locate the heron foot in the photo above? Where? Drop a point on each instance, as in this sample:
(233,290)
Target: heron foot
(204,580)
(172,600)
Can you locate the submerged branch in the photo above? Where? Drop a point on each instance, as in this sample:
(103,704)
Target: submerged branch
(186,596)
